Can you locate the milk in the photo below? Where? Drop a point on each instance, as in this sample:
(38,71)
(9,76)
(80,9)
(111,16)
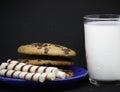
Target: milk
(102,44)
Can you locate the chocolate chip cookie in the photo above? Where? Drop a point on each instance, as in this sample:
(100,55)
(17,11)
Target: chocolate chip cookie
(48,49)
(40,62)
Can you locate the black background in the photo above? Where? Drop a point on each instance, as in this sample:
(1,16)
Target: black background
(54,21)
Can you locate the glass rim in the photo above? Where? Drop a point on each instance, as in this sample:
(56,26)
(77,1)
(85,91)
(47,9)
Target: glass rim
(102,16)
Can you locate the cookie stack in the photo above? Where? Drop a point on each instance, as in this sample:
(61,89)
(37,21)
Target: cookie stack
(41,63)
(47,54)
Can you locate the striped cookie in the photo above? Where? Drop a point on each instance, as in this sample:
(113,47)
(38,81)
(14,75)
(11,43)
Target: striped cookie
(46,49)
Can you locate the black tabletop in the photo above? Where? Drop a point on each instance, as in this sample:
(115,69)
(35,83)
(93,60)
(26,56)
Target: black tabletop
(79,86)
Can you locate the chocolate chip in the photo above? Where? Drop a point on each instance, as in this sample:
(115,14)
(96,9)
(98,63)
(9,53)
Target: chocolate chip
(66,51)
(24,61)
(40,45)
(46,50)
(39,59)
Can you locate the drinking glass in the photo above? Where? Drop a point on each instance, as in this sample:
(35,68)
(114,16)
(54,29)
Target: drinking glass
(102,46)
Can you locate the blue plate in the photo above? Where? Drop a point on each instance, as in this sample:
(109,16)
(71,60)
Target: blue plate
(79,73)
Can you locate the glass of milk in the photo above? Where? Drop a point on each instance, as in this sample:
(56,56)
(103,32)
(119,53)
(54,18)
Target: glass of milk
(102,45)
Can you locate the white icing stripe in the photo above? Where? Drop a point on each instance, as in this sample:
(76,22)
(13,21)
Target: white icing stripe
(61,74)
(28,76)
(49,69)
(9,73)
(14,62)
(36,76)
(2,72)
(33,69)
(42,77)
(10,66)
(18,67)
(9,60)
(26,68)
(3,65)
(22,74)
(16,74)
(41,69)
(1,68)
(51,76)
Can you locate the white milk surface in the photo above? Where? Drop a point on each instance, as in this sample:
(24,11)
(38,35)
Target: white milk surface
(102,43)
